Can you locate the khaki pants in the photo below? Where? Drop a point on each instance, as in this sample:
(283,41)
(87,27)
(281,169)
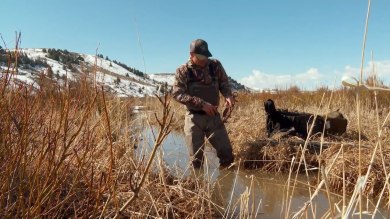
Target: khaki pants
(197,127)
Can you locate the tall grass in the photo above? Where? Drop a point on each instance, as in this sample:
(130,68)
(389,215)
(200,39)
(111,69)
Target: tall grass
(68,151)
(334,160)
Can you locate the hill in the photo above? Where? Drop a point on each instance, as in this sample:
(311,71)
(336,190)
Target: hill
(62,65)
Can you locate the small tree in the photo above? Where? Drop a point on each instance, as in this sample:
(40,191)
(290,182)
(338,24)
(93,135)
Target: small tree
(49,72)
(161,88)
(69,66)
(293,89)
(117,81)
(2,51)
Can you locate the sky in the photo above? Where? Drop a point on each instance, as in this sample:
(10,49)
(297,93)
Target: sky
(261,44)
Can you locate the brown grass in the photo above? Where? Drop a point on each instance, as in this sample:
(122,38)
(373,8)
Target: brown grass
(67,151)
(247,133)
(348,161)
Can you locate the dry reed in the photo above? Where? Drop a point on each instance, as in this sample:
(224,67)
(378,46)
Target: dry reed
(247,131)
(68,151)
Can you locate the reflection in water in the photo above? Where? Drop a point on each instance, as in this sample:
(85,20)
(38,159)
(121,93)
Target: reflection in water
(264,195)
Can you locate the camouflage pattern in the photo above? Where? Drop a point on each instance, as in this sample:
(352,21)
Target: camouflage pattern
(181,91)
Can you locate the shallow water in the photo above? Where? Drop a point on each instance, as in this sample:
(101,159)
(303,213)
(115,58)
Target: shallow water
(268,192)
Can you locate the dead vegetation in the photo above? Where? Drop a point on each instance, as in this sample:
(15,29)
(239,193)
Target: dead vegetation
(67,151)
(247,131)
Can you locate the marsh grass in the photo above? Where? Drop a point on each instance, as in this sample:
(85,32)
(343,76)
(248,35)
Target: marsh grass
(68,151)
(354,165)
(292,155)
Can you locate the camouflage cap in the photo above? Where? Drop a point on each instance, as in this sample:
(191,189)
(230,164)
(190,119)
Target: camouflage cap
(200,46)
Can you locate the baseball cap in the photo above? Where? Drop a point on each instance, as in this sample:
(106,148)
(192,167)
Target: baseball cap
(200,46)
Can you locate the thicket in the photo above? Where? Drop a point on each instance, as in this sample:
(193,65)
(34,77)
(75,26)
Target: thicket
(134,70)
(23,59)
(236,85)
(64,56)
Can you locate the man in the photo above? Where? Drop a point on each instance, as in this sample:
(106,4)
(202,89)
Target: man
(197,86)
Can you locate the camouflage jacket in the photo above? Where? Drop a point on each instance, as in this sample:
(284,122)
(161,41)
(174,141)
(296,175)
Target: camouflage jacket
(182,79)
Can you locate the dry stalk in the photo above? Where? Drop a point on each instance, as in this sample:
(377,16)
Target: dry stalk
(319,187)
(364,178)
(165,125)
(358,104)
(109,135)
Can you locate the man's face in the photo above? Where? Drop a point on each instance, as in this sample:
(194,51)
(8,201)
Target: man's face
(199,59)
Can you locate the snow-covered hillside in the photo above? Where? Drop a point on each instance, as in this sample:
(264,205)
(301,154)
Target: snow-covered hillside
(168,78)
(114,76)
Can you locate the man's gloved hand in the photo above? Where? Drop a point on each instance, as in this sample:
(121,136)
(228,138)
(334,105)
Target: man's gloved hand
(229,104)
(230,101)
(210,109)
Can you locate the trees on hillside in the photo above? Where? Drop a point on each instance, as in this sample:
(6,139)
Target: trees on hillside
(134,70)
(64,56)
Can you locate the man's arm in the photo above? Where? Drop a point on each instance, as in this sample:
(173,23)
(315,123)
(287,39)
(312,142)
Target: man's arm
(224,85)
(180,90)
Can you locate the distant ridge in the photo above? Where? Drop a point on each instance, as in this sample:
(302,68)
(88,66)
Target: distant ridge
(60,65)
